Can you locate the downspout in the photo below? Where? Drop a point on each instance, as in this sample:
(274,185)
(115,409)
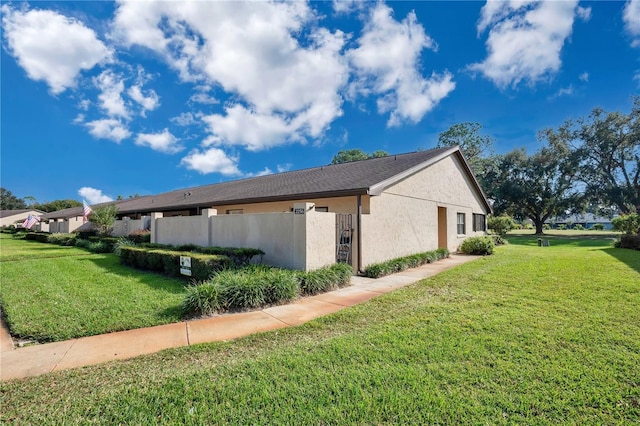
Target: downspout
(358,225)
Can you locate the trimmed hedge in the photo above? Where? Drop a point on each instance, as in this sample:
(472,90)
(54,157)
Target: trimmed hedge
(32,236)
(478,246)
(168,261)
(241,256)
(377,270)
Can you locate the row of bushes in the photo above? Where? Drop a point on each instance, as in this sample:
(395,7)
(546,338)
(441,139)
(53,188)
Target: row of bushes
(258,285)
(240,256)
(377,270)
(168,261)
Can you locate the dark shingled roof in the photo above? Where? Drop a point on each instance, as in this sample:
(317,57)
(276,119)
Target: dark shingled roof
(370,176)
(7,213)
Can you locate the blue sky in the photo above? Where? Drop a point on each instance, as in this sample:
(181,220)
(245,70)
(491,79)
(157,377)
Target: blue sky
(102,99)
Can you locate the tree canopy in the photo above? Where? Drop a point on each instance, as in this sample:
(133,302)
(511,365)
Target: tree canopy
(8,201)
(475,147)
(349,155)
(538,186)
(56,205)
(608,145)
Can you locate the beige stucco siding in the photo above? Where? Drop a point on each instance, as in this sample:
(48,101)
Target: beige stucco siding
(404,218)
(335,205)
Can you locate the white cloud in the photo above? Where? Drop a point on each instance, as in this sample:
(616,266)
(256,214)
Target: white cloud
(108,128)
(564,91)
(51,47)
(386,62)
(162,142)
(525,39)
(631,19)
(584,77)
(263,54)
(184,119)
(79,119)
(93,196)
(583,13)
(203,98)
(244,127)
(348,6)
(111,101)
(212,160)
(149,102)
(284,167)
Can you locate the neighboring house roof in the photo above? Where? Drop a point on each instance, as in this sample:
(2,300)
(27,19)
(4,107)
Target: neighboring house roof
(580,218)
(75,211)
(365,177)
(7,213)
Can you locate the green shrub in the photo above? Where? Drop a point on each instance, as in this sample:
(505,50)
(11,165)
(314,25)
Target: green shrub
(62,239)
(122,242)
(100,247)
(282,285)
(628,224)
(242,289)
(546,226)
(598,227)
(319,281)
(82,243)
(629,241)
(501,225)
(168,261)
(562,227)
(140,236)
(498,240)
(578,227)
(477,245)
(203,299)
(343,272)
(33,236)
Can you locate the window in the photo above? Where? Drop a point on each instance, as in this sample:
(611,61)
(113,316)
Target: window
(461,224)
(479,222)
(235,211)
(322,209)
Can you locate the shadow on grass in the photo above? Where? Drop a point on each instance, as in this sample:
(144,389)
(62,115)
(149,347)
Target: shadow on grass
(578,240)
(627,256)
(111,263)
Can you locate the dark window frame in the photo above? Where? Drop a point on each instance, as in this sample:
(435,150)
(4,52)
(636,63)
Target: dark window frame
(461,225)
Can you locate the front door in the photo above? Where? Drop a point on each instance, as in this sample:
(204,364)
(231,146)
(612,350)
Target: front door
(442,227)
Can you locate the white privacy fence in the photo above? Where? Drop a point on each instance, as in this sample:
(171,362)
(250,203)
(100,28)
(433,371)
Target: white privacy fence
(303,239)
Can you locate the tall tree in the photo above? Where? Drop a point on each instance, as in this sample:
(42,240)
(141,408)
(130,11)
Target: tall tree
(475,147)
(55,205)
(349,155)
(608,144)
(538,186)
(8,201)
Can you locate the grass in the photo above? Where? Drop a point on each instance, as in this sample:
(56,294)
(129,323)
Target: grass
(530,335)
(52,293)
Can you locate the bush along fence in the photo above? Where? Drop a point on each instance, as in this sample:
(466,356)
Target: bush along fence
(257,286)
(377,270)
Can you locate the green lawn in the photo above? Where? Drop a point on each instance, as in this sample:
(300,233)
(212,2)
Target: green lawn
(52,293)
(530,335)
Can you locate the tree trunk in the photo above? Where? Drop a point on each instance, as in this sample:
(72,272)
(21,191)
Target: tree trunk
(539,225)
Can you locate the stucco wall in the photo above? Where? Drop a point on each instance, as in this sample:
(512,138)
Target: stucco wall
(65,226)
(183,230)
(404,219)
(296,241)
(20,217)
(125,226)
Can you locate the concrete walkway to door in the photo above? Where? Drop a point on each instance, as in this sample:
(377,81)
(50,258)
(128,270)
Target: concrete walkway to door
(41,359)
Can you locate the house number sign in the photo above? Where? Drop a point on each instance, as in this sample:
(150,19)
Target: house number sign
(298,211)
(185,265)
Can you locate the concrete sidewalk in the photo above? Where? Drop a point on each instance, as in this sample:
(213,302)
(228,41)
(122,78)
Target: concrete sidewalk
(45,358)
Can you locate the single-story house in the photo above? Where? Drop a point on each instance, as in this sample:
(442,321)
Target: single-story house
(586,220)
(380,208)
(13,217)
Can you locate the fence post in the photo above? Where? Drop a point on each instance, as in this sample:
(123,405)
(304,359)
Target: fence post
(154,226)
(207,214)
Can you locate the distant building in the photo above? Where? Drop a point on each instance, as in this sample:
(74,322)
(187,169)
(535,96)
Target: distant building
(586,220)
